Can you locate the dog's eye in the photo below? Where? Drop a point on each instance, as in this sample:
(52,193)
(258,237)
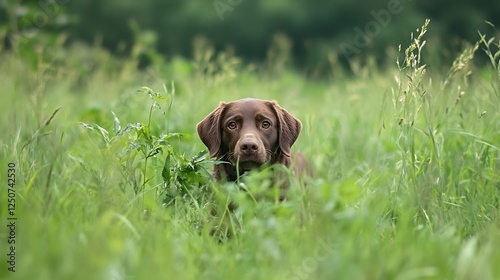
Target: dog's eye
(231,125)
(266,124)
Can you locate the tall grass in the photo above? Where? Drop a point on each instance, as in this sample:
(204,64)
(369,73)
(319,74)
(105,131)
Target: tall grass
(448,153)
(113,182)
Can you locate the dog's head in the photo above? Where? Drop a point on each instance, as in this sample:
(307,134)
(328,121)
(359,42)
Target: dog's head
(249,131)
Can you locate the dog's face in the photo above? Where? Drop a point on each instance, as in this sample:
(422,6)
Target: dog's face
(249,132)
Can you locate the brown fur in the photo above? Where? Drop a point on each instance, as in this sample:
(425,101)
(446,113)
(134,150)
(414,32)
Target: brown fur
(250,133)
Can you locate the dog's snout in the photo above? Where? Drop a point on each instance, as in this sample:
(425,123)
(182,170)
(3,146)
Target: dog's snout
(250,150)
(249,145)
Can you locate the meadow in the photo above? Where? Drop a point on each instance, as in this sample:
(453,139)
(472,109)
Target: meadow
(112,182)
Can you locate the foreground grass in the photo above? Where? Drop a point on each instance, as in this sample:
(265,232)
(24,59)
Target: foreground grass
(407,175)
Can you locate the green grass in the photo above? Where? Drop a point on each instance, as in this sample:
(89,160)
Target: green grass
(407,166)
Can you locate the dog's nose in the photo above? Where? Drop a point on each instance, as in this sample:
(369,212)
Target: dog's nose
(249,145)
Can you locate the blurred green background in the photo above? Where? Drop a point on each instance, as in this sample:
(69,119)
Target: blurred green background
(314,32)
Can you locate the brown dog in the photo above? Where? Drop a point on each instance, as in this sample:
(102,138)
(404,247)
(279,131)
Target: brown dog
(249,133)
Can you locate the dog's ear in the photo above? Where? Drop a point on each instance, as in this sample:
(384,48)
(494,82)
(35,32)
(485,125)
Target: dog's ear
(289,128)
(209,130)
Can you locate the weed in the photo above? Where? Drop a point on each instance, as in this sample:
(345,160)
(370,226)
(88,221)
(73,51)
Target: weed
(136,148)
